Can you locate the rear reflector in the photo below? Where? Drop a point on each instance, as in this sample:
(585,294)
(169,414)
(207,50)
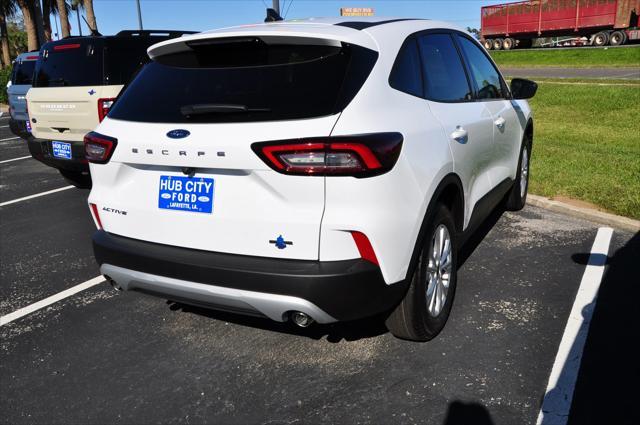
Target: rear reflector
(364,247)
(96,215)
(32,57)
(67,46)
(104,106)
(98,148)
(358,156)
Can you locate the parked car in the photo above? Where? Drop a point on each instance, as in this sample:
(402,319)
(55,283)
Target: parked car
(76,81)
(322,170)
(19,85)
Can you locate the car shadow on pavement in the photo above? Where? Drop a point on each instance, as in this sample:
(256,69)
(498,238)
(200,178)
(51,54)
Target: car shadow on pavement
(336,332)
(606,389)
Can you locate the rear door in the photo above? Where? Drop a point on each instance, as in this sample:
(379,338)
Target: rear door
(68,82)
(21,78)
(184,171)
(467,124)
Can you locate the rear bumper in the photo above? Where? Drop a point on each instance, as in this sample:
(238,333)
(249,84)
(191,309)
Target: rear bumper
(19,128)
(326,291)
(41,150)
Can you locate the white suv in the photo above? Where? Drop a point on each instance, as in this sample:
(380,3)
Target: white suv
(320,170)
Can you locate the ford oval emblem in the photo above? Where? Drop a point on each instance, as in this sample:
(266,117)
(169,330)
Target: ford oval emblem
(178,134)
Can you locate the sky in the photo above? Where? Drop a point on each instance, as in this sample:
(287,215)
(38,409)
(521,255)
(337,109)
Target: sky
(201,15)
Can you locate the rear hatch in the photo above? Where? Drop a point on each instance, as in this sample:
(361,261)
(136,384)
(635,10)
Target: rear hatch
(21,78)
(68,82)
(184,171)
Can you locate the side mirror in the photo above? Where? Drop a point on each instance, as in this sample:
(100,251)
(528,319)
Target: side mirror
(523,89)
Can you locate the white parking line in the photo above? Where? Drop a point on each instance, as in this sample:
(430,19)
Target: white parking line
(4,126)
(14,159)
(50,300)
(559,394)
(60,189)
(9,138)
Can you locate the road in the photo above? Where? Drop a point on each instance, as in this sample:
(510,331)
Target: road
(558,72)
(102,356)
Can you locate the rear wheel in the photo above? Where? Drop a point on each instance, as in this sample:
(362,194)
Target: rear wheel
(617,38)
(601,39)
(426,306)
(497,44)
(508,43)
(77,178)
(488,44)
(517,197)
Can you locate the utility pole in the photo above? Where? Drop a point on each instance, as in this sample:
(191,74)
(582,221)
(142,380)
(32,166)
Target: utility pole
(139,15)
(276,6)
(78,16)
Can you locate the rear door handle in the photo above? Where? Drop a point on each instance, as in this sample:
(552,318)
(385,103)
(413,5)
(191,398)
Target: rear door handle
(460,135)
(500,122)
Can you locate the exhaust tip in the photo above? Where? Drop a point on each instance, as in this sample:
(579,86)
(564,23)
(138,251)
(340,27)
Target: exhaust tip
(301,319)
(113,283)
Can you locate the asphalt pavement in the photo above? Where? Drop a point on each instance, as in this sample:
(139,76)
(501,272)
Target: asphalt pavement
(102,356)
(560,72)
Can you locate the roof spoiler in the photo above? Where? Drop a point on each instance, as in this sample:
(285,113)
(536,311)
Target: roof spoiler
(148,33)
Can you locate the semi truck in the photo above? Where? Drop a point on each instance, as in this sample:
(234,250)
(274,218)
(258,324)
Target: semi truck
(595,22)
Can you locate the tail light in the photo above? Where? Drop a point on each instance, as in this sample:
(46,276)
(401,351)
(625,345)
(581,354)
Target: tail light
(99,148)
(359,156)
(104,105)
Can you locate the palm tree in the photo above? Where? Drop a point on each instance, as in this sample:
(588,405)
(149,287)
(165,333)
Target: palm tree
(47,10)
(61,7)
(27,7)
(91,16)
(7,11)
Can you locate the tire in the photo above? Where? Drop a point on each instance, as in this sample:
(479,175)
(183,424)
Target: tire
(497,44)
(419,317)
(77,178)
(517,196)
(617,38)
(508,43)
(601,39)
(488,44)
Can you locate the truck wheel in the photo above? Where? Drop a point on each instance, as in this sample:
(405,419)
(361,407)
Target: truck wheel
(426,306)
(601,39)
(517,196)
(497,44)
(488,44)
(617,38)
(508,43)
(77,178)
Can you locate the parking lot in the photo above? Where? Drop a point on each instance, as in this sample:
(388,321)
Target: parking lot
(100,356)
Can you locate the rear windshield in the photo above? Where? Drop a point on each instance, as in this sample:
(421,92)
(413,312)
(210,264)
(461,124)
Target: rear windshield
(242,80)
(124,56)
(70,63)
(23,72)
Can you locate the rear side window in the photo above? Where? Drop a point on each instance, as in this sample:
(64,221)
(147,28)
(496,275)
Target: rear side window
(124,56)
(69,63)
(484,74)
(444,76)
(23,72)
(406,74)
(244,80)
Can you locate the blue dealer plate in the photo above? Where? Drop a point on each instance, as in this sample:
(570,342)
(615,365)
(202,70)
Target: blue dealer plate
(61,149)
(186,194)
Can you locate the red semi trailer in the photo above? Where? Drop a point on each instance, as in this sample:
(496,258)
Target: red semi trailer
(511,25)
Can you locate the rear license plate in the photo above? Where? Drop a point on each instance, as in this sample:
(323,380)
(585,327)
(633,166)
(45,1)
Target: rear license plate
(61,149)
(186,194)
(28,124)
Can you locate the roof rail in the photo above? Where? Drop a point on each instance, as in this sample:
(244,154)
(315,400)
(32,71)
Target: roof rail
(147,33)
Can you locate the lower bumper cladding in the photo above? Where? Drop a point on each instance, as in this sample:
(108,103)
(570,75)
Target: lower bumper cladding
(326,291)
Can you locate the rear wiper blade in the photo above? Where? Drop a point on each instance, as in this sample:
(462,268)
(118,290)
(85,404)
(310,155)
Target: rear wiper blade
(58,80)
(218,108)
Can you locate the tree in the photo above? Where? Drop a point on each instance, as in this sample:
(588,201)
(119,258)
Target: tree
(474,32)
(28,16)
(47,9)
(63,12)
(91,16)
(7,11)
